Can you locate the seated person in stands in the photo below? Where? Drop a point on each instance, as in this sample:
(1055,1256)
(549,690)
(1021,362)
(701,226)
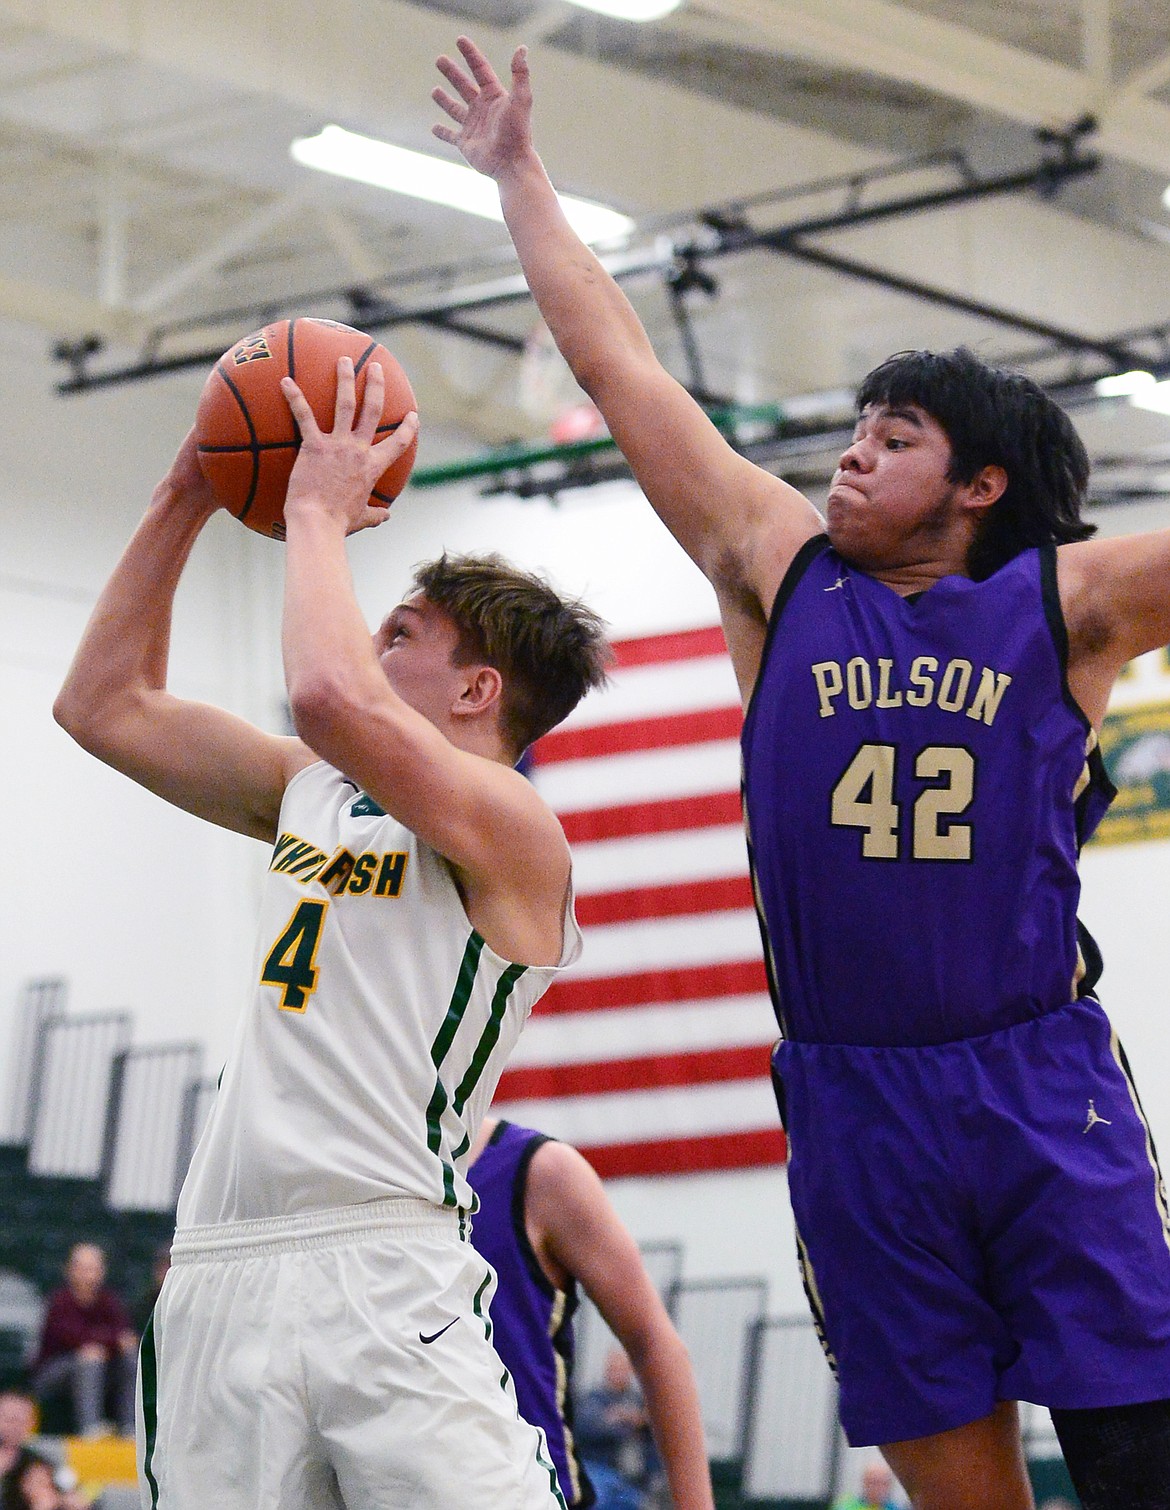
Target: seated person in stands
(613,1433)
(18,1416)
(40,1490)
(88,1347)
(546,1225)
(877,1490)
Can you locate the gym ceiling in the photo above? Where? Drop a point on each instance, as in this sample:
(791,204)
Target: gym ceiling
(815,183)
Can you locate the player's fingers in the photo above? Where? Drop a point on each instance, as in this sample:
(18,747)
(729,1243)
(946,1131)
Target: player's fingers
(371,411)
(481,70)
(345,403)
(301,412)
(400,439)
(371,517)
(457,111)
(445,134)
(521,79)
(456,77)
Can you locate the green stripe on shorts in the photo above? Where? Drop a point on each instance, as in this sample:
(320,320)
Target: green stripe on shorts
(148,1369)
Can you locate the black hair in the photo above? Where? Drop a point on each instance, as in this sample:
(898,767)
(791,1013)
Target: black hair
(995,418)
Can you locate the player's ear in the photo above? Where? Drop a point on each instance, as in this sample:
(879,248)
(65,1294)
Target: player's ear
(482,689)
(987,486)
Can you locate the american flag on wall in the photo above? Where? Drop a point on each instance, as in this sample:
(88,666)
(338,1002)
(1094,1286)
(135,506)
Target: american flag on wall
(651,1054)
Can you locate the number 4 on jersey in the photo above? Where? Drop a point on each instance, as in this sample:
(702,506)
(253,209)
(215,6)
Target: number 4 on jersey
(292,960)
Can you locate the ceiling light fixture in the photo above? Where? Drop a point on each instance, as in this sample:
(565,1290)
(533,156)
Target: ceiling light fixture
(1155,396)
(367,160)
(1123,384)
(630,10)
(1166,196)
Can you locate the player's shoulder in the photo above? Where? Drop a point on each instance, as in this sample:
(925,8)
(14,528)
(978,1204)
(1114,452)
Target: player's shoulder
(561,1175)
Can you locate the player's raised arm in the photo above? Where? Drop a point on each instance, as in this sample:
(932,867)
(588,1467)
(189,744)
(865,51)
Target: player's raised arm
(407,715)
(574,1227)
(738,523)
(115,701)
(1115,594)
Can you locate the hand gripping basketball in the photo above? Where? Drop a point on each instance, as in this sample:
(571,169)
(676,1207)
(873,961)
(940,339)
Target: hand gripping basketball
(246,434)
(336,471)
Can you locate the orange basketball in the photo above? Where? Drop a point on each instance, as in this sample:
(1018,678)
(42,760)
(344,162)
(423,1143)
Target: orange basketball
(245,431)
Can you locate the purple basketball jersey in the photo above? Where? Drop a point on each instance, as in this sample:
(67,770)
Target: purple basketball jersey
(532,1321)
(918,782)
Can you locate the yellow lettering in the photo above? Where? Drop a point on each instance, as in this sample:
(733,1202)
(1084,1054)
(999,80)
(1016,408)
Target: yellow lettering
(859,682)
(956,679)
(827,675)
(337,873)
(363,874)
(920,668)
(390,875)
(989,694)
(886,699)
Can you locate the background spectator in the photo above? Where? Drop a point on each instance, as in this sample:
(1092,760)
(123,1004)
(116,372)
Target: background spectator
(17,1424)
(88,1346)
(40,1490)
(877,1490)
(613,1435)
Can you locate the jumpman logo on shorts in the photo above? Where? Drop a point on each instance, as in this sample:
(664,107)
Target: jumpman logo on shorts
(840,582)
(1094,1119)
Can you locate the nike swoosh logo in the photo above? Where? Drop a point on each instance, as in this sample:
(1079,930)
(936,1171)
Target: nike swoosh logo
(434,1337)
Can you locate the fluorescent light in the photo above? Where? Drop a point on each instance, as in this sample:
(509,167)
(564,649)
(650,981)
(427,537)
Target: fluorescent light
(631,10)
(1166,196)
(369,161)
(1155,396)
(1123,384)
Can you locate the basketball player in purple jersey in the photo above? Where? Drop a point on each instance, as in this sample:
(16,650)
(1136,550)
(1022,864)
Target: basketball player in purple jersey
(980,1214)
(546,1226)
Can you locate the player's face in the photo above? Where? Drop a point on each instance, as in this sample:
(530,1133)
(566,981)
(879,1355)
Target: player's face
(416,647)
(891,502)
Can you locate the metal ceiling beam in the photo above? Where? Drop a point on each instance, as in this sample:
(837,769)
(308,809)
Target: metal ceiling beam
(903,44)
(727,235)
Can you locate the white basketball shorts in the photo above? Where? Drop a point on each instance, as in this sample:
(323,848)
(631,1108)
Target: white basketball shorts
(336,1361)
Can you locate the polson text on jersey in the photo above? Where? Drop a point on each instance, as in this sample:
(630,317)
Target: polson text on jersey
(367,874)
(955,687)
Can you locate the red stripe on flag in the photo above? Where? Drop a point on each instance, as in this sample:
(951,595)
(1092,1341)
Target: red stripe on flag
(664,731)
(676,899)
(739,1150)
(651,1072)
(683,645)
(707,811)
(641,988)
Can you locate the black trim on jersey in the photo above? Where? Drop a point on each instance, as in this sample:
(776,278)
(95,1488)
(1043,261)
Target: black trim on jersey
(560,1339)
(1099,779)
(519,1196)
(805,556)
(1054,613)
(800,563)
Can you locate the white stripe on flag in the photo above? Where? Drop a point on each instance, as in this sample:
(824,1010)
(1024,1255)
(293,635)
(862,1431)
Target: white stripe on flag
(570,786)
(656,859)
(711,938)
(647,1116)
(665,687)
(637,1032)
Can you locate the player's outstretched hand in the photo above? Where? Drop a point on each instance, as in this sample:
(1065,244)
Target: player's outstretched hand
(335,471)
(493,128)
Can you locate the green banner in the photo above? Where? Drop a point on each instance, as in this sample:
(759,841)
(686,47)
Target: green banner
(1135,743)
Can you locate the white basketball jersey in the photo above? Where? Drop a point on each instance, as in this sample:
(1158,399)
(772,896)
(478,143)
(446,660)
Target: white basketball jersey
(379,1026)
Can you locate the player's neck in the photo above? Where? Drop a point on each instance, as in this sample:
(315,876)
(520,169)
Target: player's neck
(917,577)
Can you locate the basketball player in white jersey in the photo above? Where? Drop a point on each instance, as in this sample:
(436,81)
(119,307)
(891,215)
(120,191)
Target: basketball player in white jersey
(322,1339)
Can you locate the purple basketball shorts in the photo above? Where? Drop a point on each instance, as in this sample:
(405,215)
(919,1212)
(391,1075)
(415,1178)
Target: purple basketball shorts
(978,1221)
